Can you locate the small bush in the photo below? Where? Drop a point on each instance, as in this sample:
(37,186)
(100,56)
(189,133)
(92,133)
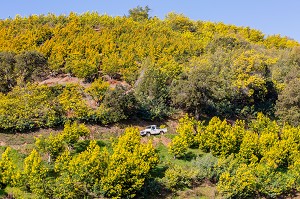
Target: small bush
(178,177)
(206,166)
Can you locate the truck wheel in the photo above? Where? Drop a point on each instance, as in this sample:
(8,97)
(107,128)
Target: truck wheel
(148,134)
(162,132)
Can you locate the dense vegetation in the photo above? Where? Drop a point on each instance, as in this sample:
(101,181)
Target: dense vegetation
(80,169)
(138,66)
(201,67)
(259,161)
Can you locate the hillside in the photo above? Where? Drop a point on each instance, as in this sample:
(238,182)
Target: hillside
(200,67)
(75,90)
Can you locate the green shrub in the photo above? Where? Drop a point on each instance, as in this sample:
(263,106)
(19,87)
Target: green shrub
(206,166)
(178,177)
(98,90)
(72,102)
(30,107)
(8,170)
(129,165)
(178,147)
(220,138)
(241,184)
(273,183)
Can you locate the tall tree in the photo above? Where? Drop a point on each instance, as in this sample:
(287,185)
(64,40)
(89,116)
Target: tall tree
(194,90)
(139,13)
(30,65)
(288,104)
(7,75)
(152,92)
(129,165)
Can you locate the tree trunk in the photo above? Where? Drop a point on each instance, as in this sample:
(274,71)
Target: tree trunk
(197,113)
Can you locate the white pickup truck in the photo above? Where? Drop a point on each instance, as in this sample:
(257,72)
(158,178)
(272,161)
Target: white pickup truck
(153,130)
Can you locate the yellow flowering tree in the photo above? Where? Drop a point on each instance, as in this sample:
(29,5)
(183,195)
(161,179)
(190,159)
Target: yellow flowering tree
(81,174)
(35,174)
(129,165)
(8,171)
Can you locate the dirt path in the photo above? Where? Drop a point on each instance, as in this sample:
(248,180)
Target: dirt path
(157,140)
(23,140)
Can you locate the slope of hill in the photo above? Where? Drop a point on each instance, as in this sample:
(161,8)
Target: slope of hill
(95,74)
(200,67)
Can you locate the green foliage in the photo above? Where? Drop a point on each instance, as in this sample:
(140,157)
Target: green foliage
(245,64)
(34,174)
(129,165)
(139,13)
(83,64)
(153,66)
(265,163)
(179,22)
(20,69)
(54,145)
(249,149)
(72,132)
(17,193)
(287,106)
(201,67)
(28,108)
(187,129)
(178,177)
(242,184)
(279,42)
(178,147)
(221,138)
(218,137)
(8,171)
(119,103)
(81,175)
(98,90)
(193,91)
(261,160)
(272,183)
(7,74)
(88,43)
(253,179)
(93,172)
(206,167)
(30,66)
(36,106)
(151,91)
(72,102)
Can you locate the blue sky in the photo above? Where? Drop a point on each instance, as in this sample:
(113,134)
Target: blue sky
(269,16)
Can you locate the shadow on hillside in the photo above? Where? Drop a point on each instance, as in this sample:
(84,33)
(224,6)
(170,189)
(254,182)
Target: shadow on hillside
(189,156)
(135,121)
(153,188)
